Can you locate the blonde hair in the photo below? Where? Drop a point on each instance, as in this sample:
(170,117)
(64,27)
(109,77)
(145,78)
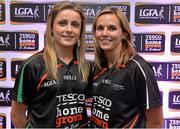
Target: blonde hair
(50,52)
(127,50)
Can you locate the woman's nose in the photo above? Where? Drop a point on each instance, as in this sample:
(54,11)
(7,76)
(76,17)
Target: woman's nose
(105,32)
(69,28)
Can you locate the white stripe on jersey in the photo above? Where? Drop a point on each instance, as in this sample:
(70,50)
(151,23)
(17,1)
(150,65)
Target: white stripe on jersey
(147,94)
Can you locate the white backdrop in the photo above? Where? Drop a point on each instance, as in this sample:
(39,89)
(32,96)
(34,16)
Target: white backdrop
(167,58)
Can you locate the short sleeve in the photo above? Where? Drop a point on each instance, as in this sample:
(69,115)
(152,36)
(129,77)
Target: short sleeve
(147,88)
(24,84)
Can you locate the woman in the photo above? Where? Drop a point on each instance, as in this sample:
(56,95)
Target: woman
(51,84)
(125,92)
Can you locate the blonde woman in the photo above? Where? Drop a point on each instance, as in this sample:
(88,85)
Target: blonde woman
(125,92)
(51,85)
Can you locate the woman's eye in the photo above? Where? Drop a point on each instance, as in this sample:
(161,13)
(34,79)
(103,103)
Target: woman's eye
(62,23)
(112,28)
(75,24)
(99,28)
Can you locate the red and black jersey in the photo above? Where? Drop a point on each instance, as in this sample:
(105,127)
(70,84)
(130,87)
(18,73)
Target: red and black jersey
(120,95)
(51,103)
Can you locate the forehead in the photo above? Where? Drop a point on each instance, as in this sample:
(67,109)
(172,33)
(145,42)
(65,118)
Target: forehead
(108,19)
(68,14)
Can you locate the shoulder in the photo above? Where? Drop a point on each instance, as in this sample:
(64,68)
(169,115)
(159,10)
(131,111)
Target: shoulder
(140,65)
(34,61)
(138,62)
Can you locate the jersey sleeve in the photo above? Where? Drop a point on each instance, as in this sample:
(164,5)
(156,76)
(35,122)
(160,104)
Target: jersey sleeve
(147,88)
(24,84)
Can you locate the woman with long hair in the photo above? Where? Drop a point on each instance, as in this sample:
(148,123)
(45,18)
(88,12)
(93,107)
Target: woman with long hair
(50,89)
(125,91)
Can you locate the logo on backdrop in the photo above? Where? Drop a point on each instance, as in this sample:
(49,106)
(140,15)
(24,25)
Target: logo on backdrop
(24,12)
(2,121)
(157,14)
(37,13)
(174,71)
(166,71)
(2,69)
(29,12)
(91,9)
(89,43)
(171,123)
(175,43)
(149,42)
(175,14)
(174,99)
(2,13)
(160,71)
(5,96)
(19,41)
(15,64)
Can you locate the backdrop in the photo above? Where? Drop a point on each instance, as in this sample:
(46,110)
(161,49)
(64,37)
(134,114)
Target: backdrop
(156,31)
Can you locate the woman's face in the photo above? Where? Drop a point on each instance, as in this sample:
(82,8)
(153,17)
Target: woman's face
(108,32)
(67,28)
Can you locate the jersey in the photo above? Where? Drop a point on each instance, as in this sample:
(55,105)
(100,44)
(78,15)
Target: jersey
(120,95)
(51,103)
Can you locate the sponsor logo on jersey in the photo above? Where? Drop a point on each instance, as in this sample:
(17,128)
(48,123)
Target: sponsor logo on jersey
(2,69)
(19,41)
(15,64)
(70,77)
(92,9)
(99,117)
(149,42)
(89,43)
(2,12)
(175,43)
(49,83)
(2,121)
(174,99)
(5,96)
(72,115)
(171,123)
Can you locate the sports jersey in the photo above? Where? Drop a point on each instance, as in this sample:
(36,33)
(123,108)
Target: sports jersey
(120,95)
(51,103)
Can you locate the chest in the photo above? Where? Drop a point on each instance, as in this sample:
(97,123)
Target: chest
(114,85)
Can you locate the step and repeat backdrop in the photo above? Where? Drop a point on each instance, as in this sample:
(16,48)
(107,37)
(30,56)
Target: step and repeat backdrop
(156,35)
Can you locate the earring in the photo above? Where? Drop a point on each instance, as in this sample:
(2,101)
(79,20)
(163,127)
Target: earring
(78,43)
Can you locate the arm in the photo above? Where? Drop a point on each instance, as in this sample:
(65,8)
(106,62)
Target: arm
(18,116)
(154,117)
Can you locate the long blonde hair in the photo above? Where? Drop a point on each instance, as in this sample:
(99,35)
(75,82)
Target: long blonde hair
(50,52)
(127,50)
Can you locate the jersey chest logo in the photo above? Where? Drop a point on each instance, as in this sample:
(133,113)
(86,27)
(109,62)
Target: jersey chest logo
(49,83)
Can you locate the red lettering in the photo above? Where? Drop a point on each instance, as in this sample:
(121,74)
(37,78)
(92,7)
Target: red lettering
(68,119)
(99,122)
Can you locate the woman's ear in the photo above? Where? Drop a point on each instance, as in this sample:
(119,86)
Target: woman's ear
(125,35)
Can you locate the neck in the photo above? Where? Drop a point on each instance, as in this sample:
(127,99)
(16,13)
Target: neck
(112,56)
(65,54)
